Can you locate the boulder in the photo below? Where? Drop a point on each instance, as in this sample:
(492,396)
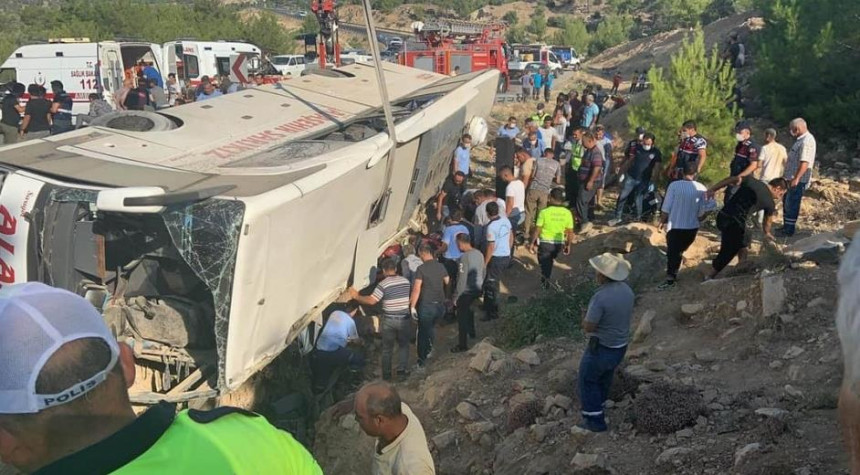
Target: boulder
(641,373)
(854,185)
(744,452)
(590,463)
(821,248)
(528,356)
(541,431)
(629,238)
(477,429)
(773,294)
(445,439)
(850,229)
(468,411)
(673,454)
(485,353)
(792,353)
(644,261)
(657,365)
(645,326)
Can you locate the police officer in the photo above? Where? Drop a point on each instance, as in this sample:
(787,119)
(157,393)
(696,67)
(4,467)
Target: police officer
(61,109)
(66,408)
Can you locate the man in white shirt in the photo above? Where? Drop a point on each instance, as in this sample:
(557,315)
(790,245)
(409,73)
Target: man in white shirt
(772,157)
(331,350)
(549,134)
(685,202)
(481,218)
(401,445)
(515,197)
(798,172)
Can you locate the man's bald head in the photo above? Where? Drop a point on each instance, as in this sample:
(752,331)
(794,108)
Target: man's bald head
(376,405)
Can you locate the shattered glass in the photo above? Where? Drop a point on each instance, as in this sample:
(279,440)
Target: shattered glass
(64,195)
(206,235)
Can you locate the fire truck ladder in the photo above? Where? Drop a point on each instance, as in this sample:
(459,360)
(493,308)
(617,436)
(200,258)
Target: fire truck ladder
(453,27)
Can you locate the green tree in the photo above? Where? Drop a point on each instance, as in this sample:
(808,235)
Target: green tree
(624,6)
(808,63)
(696,87)
(612,31)
(537,26)
(516,34)
(670,14)
(574,34)
(310,24)
(511,18)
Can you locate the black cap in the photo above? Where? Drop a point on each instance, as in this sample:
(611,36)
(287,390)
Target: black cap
(640,130)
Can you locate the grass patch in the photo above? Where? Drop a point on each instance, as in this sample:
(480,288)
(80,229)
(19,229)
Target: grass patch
(552,313)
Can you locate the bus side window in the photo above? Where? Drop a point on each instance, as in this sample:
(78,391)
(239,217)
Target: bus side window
(192,69)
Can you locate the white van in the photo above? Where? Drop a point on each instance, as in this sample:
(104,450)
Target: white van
(289,64)
(82,66)
(191,60)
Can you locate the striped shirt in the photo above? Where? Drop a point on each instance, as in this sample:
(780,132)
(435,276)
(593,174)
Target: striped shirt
(685,201)
(393,292)
(803,150)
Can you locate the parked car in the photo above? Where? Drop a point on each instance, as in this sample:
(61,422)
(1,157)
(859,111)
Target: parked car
(289,64)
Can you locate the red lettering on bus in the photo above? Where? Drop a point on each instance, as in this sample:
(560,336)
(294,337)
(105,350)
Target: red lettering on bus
(7,273)
(9,223)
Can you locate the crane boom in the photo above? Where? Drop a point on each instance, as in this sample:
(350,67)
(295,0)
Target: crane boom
(328,46)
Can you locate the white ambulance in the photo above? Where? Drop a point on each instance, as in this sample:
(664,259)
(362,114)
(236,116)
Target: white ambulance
(84,67)
(191,60)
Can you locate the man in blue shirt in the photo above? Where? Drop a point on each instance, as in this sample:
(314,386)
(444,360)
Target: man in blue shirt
(510,129)
(589,113)
(497,257)
(462,161)
(149,72)
(537,84)
(209,91)
(331,350)
(450,252)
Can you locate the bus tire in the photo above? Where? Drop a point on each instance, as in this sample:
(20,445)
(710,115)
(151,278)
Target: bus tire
(134,121)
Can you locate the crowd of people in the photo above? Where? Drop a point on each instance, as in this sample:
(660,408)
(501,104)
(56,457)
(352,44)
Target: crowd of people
(30,112)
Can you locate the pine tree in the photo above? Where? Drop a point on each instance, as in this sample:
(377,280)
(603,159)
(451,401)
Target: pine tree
(696,87)
(573,33)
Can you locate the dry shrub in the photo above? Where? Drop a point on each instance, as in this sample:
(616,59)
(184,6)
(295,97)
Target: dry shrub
(663,408)
(523,415)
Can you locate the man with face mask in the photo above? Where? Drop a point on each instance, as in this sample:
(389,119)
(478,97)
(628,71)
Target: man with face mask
(745,161)
(638,174)
(462,161)
(692,148)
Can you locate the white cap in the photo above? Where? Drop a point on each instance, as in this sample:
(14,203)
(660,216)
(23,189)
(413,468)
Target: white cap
(35,321)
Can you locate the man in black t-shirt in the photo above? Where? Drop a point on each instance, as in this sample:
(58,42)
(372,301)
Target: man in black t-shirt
(639,170)
(752,195)
(427,299)
(37,115)
(12,110)
(451,195)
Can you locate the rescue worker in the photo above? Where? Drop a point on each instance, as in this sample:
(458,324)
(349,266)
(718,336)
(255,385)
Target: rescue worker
(66,407)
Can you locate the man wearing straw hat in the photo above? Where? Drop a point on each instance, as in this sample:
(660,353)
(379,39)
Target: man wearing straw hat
(607,326)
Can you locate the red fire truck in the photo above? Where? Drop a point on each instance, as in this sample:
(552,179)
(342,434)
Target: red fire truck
(448,46)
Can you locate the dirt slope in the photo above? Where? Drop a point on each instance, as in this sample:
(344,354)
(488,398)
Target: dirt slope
(656,50)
